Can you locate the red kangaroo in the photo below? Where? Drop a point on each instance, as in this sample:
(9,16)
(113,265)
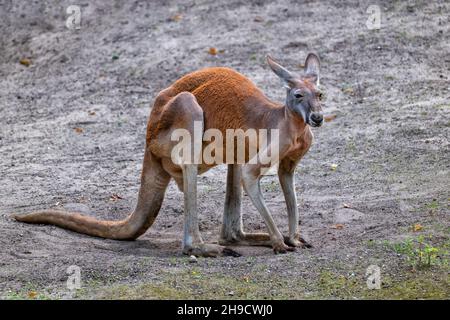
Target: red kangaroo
(219,98)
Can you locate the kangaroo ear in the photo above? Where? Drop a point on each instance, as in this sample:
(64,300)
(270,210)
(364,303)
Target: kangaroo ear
(285,75)
(312,68)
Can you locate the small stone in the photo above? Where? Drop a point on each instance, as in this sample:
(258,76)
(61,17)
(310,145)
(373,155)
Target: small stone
(193,259)
(63,59)
(231,293)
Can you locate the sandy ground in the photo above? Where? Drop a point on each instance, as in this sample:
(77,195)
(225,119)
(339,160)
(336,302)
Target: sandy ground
(72,128)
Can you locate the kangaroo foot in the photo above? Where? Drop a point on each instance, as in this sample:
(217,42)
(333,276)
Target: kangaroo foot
(297,242)
(247,239)
(281,247)
(210,250)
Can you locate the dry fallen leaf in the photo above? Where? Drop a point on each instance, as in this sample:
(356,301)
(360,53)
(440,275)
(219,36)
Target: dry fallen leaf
(78,130)
(26,62)
(115,197)
(177,17)
(329,117)
(258,19)
(32,294)
(337,226)
(91,113)
(417,227)
(212,51)
(349,91)
(333,166)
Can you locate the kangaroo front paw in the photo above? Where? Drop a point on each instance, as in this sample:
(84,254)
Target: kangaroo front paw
(210,250)
(281,247)
(297,242)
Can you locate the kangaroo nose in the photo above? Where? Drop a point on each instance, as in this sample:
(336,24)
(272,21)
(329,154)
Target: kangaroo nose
(317,118)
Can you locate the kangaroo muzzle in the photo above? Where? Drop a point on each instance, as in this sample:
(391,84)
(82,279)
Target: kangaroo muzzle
(316,119)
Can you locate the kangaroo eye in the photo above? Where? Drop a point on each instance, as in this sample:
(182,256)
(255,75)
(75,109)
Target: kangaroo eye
(298,95)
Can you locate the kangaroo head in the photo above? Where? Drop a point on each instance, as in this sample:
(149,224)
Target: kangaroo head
(303,97)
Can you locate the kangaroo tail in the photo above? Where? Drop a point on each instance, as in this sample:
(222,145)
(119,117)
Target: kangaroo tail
(154,181)
(120,230)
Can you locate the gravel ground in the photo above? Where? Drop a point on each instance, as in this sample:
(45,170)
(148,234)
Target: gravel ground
(373,189)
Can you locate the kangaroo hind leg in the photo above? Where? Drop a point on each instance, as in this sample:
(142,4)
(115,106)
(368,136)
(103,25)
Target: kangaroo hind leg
(189,116)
